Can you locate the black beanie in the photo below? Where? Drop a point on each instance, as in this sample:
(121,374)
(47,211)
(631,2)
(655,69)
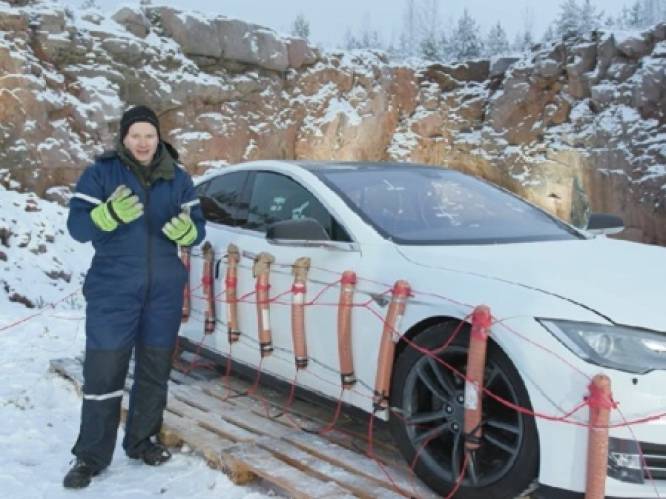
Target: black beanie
(135,115)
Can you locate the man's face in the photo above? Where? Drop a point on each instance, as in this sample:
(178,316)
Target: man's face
(142,140)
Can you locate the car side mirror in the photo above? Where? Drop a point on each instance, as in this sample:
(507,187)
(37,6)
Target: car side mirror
(302,229)
(604,223)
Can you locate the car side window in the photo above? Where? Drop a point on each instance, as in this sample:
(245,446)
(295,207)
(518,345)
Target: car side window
(275,197)
(221,198)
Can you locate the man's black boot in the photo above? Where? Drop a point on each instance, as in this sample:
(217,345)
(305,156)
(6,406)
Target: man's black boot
(156,454)
(79,475)
(152,453)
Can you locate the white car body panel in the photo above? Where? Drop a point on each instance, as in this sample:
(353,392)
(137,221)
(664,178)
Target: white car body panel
(594,280)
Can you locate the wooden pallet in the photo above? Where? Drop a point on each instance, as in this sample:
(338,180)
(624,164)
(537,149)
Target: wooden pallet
(253,436)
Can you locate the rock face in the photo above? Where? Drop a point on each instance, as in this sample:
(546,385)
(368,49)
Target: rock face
(574,126)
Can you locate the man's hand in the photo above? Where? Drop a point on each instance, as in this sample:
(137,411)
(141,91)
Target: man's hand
(181,230)
(121,207)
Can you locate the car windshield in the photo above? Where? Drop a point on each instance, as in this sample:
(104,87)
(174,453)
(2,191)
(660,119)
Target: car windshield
(426,205)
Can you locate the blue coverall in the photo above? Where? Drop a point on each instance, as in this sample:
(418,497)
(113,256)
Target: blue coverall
(134,297)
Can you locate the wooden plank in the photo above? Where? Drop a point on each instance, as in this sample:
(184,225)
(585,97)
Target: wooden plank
(243,418)
(179,430)
(354,441)
(359,485)
(295,482)
(245,443)
(316,412)
(406,482)
(210,421)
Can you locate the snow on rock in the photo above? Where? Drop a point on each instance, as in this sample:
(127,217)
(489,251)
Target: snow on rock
(228,90)
(41,263)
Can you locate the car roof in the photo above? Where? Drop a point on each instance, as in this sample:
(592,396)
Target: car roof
(358,165)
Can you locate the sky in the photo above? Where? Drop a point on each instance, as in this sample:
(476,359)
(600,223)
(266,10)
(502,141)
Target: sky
(330,19)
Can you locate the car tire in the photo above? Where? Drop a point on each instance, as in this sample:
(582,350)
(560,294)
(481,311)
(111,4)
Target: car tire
(427,407)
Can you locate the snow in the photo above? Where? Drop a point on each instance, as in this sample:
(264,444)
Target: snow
(337,106)
(38,408)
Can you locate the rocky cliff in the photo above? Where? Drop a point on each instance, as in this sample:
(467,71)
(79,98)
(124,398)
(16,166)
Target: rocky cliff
(576,125)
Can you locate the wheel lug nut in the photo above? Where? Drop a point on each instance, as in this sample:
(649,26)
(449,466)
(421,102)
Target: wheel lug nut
(461,399)
(455,427)
(449,409)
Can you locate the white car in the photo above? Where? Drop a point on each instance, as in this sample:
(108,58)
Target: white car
(566,304)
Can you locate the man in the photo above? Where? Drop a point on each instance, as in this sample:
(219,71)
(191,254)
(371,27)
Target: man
(137,206)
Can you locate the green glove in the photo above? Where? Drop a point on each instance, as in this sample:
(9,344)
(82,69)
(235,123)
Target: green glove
(121,207)
(181,230)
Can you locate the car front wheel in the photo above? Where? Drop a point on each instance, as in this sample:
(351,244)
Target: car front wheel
(427,419)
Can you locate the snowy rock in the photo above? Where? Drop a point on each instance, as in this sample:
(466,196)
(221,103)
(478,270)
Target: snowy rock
(606,52)
(300,53)
(134,21)
(585,59)
(659,32)
(621,71)
(13,21)
(195,36)
(633,45)
(438,74)
(252,44)
(602,95)
(50,21)
(500,65)
(477,70)
(659,50)
(547,68)
(124,50)
(649,94)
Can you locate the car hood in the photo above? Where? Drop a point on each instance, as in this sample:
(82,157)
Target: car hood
(621,281)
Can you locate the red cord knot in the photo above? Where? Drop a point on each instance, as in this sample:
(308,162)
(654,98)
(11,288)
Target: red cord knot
(348,277)
(600,396)
(206,280)
(262,287)
(298,288)
(230,282)
(402,289)
(481,321)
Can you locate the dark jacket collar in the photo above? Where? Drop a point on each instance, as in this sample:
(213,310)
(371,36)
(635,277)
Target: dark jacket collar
(161,167)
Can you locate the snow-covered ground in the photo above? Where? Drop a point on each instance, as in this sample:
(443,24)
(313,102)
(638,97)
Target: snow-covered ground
(39,410)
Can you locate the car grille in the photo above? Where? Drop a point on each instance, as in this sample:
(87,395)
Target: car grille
(655,461)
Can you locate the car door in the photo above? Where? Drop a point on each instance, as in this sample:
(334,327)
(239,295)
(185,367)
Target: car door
(273,197)
(221,199)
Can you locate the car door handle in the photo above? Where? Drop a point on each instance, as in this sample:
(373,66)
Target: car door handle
(249,255)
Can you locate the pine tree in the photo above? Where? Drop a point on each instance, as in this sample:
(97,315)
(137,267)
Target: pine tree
(549,34)
(429,49)
(590,18)
(350,42)
(635,18)
(567,22)
(445,50)
(369,37)
(652,11)
(300,28)
(523,41)
(428,23)
(408,37)
(464,42)
(496,42)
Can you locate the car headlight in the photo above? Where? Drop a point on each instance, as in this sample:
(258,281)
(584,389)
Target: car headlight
(619,347)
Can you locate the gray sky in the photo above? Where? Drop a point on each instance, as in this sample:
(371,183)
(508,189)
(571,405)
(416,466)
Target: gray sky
(330,18)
